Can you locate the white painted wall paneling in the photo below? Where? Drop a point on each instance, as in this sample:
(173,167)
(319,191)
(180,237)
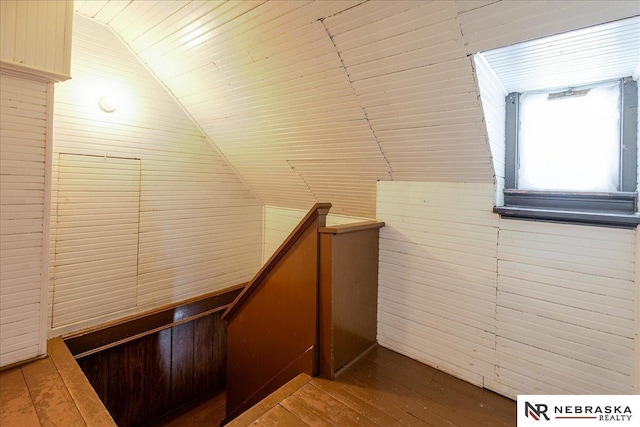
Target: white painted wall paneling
(36,37)
(557,302)
(24,131)
(200,228)
(437,275)
(492,95)
(565,314)
(96,245)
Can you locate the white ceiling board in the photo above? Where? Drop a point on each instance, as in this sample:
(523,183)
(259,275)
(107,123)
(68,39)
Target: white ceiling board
(321,84)
(603,52)
(508,22)
(90,8)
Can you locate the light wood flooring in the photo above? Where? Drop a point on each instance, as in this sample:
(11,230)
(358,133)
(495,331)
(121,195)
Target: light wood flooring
(384,388)
(50,392)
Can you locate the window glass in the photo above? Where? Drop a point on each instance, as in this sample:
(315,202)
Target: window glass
(570,143)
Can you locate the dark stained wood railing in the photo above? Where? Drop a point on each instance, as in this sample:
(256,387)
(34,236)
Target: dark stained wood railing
(272,328)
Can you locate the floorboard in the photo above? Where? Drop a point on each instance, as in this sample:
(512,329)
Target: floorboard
(50,397)
(50,392)
(205,411)
(15,401)
(383,389)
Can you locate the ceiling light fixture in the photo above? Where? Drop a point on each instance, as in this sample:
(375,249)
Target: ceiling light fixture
(107,104)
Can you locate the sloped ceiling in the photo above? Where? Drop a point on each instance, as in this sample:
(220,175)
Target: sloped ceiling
(318,100)
(602,52)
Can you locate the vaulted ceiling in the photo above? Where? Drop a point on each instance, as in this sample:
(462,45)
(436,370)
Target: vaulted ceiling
(318,100)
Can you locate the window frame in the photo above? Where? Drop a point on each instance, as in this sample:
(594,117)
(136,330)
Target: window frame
(611,208)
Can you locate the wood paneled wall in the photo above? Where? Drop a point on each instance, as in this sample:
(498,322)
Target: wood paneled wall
(198,226)
(521,307)
(24,182)
(36,37)
(273,324)
(142,380)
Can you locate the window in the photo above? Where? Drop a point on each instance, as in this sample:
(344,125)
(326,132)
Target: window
(569,150)
(571,154)
(569,140)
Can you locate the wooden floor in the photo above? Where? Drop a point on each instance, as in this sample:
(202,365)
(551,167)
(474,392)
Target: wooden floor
(206,411)
(50,392)
(384,388)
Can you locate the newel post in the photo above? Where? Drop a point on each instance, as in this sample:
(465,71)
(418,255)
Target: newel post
(323,211)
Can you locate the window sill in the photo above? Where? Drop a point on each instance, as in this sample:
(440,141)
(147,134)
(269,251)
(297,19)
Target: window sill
(574,217)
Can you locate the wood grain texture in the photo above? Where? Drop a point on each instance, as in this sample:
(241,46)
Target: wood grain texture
(50,392)
(272,325)
(383,389)
(209,354)
(279,416)
(314,407)
(271,400)
(203,368)
(161,371)
(181,363)
(86,400)
(51,399)
(158,374)
(15,400)
(383,416)
(127,377)
(161,368)
(121,331)
(207,410)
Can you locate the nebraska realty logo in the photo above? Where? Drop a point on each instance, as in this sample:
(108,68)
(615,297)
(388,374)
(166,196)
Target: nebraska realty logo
(578,410)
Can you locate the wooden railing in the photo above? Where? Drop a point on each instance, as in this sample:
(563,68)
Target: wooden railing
(272,327)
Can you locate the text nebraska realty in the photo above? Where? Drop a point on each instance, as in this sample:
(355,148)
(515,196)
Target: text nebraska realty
(601,413)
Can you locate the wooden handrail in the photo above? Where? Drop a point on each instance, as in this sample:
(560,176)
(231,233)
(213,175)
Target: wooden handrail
(115,333)
(319,211)
(272,326)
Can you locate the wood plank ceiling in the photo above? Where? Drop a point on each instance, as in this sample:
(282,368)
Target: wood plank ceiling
(318,100)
